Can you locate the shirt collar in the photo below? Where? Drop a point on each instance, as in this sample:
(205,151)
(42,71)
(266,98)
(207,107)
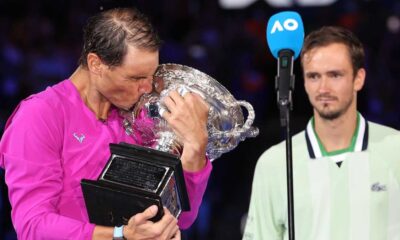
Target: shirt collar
(360,142)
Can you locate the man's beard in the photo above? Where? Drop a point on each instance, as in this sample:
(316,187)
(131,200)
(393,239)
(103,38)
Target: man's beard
(334,114)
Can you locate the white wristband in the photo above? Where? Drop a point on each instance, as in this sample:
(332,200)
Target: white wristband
(118,233)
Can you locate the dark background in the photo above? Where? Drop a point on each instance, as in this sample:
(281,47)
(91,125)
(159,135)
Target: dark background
(40,42)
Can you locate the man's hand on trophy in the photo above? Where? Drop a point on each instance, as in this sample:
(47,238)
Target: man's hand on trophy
(187,115)
(140,227)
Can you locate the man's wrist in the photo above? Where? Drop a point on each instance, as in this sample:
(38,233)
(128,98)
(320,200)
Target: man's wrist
(119,233)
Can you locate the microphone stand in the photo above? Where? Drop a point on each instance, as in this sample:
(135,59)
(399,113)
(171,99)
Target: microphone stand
(284,84)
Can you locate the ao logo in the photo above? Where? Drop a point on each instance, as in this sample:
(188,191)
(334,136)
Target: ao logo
(289,24)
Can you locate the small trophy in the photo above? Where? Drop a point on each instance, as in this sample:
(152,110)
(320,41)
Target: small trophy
(136,177)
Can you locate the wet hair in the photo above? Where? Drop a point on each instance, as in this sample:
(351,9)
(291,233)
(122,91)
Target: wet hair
(333,34)
(109,33)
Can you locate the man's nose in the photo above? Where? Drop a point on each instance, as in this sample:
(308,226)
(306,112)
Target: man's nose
(324,85)
(146,86)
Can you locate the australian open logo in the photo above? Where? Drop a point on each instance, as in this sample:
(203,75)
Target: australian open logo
(377,187)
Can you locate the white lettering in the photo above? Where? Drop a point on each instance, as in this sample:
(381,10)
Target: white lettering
(289,24)
(277,26)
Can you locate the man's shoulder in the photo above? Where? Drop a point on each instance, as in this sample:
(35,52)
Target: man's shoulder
(53,98)
(297,139)
(380,127)
(276,154)
(384,143)
(382,133)
(52,94)
(39,105)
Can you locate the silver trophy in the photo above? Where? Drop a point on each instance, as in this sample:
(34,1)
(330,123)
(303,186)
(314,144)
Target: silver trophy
(226,126)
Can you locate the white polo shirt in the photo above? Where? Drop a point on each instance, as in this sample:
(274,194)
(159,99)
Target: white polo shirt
(358,200)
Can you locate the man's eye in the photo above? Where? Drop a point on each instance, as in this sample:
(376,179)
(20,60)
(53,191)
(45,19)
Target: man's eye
(312,76)
(136,78)
(336,75)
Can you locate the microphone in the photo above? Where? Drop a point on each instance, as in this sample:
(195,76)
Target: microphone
(285,36)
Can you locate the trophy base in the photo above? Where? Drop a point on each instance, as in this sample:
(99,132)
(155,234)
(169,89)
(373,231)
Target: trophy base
(135,178)
(109,205)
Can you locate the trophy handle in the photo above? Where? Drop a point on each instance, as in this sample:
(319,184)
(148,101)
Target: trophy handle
(232,137)
(248,130)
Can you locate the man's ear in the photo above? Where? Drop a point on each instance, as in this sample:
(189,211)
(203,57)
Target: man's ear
(359,79)
(94,63)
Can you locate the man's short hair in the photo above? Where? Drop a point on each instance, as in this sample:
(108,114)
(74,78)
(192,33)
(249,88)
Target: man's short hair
(109,33)
(333,34)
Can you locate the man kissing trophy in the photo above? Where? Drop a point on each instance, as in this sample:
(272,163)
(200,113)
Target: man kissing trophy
(136,177)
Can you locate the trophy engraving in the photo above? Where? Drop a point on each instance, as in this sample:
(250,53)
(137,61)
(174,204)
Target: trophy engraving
(139,175)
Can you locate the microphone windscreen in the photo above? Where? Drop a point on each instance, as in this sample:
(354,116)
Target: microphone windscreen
(285,30)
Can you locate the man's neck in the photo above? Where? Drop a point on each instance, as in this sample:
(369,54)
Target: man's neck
(336,134)
(83,81)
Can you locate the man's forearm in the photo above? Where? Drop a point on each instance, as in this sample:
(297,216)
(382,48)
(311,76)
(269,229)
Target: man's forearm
(102,232)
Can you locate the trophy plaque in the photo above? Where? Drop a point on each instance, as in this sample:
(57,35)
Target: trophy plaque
(135,178)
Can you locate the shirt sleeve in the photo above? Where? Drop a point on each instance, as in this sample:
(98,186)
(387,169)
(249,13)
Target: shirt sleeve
(196,184)
(264,220)
(30,151)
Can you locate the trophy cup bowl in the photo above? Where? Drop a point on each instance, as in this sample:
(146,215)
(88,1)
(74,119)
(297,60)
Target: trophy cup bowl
(226,126)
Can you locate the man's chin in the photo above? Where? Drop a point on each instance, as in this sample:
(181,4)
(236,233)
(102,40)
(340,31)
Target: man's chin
(125,108)
(329,115)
